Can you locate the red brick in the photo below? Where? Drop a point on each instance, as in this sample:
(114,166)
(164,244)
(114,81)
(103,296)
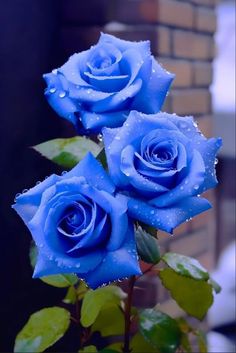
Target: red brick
(179,14)
(191,101)
(181,68)
(190,45)
(159,36)
(205,19)
(163,41)
(202,73)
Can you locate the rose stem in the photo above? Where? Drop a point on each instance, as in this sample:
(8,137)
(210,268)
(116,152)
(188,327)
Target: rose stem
(128,304)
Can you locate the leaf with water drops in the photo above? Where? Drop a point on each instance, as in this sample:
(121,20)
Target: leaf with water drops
(95,300)
(185,266)
(160,330)
(43,329)
(193,296)
(68,152)
(147,246)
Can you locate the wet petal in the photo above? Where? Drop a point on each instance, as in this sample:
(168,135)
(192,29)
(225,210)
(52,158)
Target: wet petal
(96,121)
(118,264)
(153,92)
(167,218)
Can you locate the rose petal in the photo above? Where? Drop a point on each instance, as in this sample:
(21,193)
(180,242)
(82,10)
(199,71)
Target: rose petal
(27,203)
(96,121)
(188,186)
(98,178)
(118,264)
(108,83)
(142,47)
(142,185)
(49,266)
(153,92)
(169,217)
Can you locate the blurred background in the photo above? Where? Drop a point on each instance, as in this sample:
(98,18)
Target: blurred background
(195,39)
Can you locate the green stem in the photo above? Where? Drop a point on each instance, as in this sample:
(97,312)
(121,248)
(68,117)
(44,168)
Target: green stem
(126,348)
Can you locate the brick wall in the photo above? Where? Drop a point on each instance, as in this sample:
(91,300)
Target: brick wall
(181,34)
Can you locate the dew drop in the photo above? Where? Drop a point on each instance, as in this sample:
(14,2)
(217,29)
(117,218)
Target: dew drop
(100,137)
(38,182)
(196,187)
(17,195)
(24,191)
(64,172)
(62,94)
(52,90)
(54,71)
(216,161)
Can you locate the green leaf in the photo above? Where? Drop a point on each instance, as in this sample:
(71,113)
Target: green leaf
(70,297)
(33,254)
(147,246)
(139,344)
(185,266)
(202,342)
(160,330)
(61,280)
(88,349)
(81,290)
(44,328)
(217,288)
(101,157)
(94,300)
(185,343)
(193,296)
(110,321)
(67,152)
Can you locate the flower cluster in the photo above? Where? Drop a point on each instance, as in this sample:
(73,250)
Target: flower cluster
(158,165)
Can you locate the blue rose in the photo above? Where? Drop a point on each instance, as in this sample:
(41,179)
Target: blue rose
(164,163)
(98,87)
(79,226)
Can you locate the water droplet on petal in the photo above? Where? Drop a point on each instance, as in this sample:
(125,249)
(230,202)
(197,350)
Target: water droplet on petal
(54,71)
(64,172)
(216,161)
(38,182)
(62,94)
(24,191)
(17,195)
(196,187)
(52,90)
(100,137)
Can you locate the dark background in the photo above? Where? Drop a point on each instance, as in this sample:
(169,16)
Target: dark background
(29,47)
